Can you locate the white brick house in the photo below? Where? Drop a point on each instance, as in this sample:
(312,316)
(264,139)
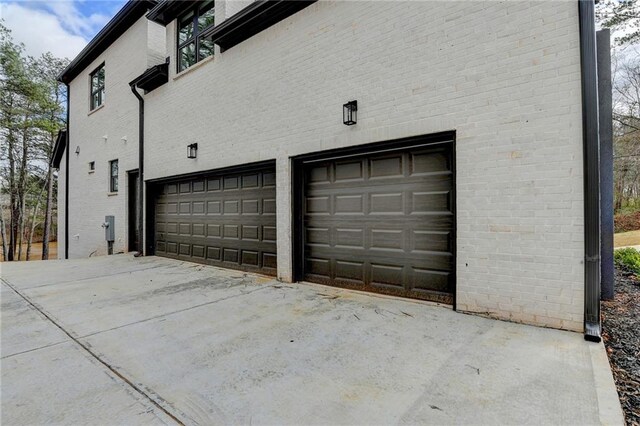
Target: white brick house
(463,181)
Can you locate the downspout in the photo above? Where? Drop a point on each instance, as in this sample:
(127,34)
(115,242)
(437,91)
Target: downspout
(140,170)
(591,149)
(607,281)
(66,180)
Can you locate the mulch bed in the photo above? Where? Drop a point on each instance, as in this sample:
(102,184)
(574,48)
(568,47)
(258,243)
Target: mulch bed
(621,335)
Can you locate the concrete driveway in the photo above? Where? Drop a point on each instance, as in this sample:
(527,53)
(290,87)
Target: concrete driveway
(120,340)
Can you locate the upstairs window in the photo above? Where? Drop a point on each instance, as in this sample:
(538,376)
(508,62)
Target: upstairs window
(192,46)
(97,87)
(113,176)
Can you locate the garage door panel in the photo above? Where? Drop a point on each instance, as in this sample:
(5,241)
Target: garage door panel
(197,251)
(425,279)
(386,167)
(429,260)
(428,241)
(269,261)
(387,203)
(428,162)
(223,219)
(382,222)
(425,221)
(213,185)
(428,202)
(214,253)
(230,255)
(172,247)
(385,239)
(350,270)
(387,275)
(318,174)
(437,180)
(198,230)
(268,179)
(269,234)
(250,257)
(349,237)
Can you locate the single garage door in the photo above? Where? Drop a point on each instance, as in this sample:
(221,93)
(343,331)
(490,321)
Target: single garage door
(382,222)
(223,219)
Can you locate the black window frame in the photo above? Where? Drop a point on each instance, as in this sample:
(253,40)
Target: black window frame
(113,178)
(100,89)
(196,34)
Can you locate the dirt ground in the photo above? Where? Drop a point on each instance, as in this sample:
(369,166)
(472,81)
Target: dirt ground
(623,239)
(36,251)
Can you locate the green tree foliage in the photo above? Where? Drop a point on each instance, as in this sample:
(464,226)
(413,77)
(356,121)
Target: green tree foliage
(31,113)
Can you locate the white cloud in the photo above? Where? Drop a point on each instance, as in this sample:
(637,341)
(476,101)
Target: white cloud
(68,13)
(40,31)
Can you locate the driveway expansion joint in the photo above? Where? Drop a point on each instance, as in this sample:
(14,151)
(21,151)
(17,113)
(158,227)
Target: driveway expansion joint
(34,349)
(97,358)
(172,312)
(94,277)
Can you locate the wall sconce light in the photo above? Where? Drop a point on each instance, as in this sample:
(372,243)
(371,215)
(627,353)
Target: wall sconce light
(192,150)
(78,150)
(105,137)
(350,113)
(124,139)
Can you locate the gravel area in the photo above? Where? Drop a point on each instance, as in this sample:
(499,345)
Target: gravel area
(621,334)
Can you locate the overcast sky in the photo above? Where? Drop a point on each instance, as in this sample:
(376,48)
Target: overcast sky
(62,27)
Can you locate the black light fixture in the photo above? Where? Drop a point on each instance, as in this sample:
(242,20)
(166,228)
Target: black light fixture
(192,150)
(78,150)
(350,113)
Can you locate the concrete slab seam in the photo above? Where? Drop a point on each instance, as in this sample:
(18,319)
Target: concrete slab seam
(173,312)
(95,277)
(97,358)
(34,349)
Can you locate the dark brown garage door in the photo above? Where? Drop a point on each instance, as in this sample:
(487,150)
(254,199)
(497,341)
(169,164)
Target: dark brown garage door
(226,220)
(382,222)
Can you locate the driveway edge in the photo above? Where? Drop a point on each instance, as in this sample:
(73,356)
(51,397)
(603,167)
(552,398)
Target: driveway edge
(609,407)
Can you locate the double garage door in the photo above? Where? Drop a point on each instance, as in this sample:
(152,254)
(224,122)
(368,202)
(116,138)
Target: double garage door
(223,219)
(382,221)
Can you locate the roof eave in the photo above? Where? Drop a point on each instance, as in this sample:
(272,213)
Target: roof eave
(122,21)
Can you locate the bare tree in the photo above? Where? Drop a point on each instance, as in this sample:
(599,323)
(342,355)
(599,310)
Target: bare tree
(31,114)
(626,116)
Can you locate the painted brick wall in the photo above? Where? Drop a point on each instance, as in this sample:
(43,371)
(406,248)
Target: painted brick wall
(504,76)
(231,7)
(89,198)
